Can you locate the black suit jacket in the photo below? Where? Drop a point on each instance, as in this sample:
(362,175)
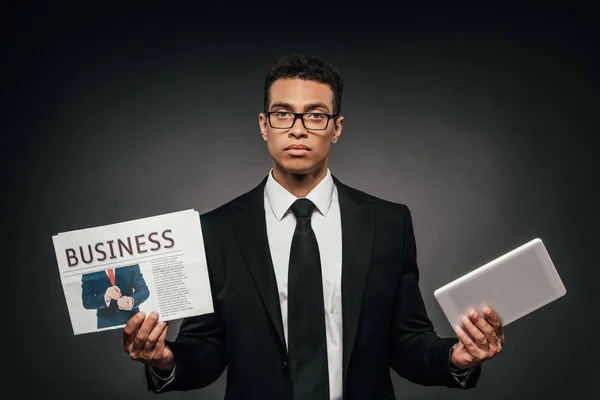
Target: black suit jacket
(384,319)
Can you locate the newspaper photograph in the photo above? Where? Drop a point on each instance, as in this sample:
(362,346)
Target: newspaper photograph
(110,273)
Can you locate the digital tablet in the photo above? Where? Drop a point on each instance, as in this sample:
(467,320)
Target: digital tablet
(514,285)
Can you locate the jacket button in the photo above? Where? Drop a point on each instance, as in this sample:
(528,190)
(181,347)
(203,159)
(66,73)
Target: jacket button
(284,365)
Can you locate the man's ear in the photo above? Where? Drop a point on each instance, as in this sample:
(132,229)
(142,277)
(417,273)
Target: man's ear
(337,130)
(262,124)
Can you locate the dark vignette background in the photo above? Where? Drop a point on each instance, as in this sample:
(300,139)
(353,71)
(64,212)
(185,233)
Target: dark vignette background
(483,121)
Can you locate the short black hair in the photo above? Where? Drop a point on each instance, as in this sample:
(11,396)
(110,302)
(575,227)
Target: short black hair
(307,67)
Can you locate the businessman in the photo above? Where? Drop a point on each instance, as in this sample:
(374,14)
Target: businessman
(116,294)
(315,283)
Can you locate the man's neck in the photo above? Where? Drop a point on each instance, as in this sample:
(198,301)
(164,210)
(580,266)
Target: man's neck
(299,185)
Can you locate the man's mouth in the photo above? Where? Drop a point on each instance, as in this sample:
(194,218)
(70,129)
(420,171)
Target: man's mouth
(297,150)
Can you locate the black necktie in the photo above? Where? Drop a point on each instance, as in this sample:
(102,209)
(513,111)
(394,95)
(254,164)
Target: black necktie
(307,343)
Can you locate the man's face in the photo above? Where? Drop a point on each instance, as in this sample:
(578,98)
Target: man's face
(297,149)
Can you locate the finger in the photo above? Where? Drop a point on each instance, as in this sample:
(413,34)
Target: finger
(466,340)
(484,327)
(159,349)
(475,333)
(153,336)
(131,328)
(140,338)
(495,322)
(160,343)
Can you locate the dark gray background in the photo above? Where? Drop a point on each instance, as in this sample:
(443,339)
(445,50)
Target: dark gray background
(482,121)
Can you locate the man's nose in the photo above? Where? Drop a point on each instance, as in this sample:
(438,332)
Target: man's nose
(298,130)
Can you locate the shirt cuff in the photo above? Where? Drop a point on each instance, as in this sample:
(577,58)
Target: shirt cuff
(160,379)
(461,375)
(462,379)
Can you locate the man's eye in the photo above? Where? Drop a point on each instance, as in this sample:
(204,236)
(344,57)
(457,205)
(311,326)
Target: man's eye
(282,114)
(316,116)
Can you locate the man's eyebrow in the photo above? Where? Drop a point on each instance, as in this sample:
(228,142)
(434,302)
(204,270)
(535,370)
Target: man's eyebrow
(307,107)
(281,104)
(314,106)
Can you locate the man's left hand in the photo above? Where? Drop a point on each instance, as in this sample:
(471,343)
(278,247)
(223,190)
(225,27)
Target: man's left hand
(484,340)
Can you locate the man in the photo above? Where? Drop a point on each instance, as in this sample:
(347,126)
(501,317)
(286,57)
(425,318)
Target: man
(116,294)
(315,284)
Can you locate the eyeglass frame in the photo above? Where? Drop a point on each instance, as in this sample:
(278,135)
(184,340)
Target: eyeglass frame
(329,117)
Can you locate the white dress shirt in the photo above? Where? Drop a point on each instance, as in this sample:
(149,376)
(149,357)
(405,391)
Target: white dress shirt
(326,223)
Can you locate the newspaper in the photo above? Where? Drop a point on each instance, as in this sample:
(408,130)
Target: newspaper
(109,273)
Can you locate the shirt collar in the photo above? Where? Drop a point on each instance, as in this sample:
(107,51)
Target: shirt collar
(281,200)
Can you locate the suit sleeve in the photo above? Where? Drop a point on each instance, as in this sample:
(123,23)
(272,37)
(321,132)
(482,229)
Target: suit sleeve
(418,353)
(140,288)
(199,349)
(90,299)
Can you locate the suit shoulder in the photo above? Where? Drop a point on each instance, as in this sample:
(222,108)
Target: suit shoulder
(387,212)
(220,211)
(377,202)
(90,276)
(225,211)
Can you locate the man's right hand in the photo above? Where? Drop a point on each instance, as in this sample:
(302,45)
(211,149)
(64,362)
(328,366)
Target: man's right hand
(144,341)
(113,293)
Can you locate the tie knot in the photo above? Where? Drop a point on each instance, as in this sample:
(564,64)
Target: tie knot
(303,208)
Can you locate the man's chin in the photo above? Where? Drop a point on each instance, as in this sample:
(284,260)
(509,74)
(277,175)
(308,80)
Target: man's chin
(298,167)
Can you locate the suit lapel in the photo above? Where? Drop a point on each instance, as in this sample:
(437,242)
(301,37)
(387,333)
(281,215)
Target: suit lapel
(251,234)
(357,240)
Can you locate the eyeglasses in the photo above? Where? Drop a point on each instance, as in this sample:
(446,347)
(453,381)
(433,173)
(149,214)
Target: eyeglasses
(312,120)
